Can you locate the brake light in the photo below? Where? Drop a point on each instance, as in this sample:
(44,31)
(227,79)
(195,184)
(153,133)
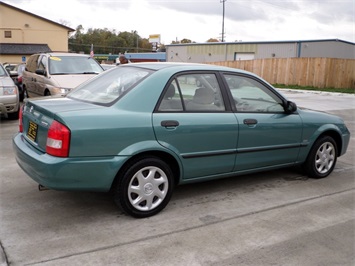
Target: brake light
(58,140)
(19,79)
(20,123)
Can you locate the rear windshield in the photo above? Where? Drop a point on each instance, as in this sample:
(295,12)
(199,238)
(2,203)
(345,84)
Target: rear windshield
(107,87)
(61,65)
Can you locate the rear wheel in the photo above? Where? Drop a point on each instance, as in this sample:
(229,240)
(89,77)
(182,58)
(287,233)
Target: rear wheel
(144,188)
(322,158)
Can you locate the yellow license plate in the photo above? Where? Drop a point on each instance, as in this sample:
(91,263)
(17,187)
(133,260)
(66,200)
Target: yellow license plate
(32,131)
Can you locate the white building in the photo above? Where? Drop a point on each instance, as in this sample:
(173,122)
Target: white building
(232,51)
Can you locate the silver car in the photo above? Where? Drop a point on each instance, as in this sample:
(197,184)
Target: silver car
(9,95)
(57,73)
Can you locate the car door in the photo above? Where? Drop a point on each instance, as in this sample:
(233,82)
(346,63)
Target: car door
(42,80)
(268,136)
(191,120)
(29,75)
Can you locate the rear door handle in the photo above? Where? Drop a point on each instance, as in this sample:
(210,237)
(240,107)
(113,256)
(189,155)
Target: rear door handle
(250,122)
(169,123)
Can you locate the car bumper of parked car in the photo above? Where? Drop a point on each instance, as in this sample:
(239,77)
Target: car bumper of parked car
(79,173)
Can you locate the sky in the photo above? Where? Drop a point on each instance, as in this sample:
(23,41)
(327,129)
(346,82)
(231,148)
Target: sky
(200,20)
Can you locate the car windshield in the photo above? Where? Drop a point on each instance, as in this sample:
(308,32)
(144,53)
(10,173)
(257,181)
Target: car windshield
(61,65)
(109,86)
(2,71)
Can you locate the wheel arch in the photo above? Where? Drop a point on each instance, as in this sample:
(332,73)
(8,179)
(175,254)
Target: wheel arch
(325,131)
(46,92)
(164,156)
(337,138)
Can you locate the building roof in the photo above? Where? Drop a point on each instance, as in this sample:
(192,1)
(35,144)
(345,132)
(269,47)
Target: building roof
(153,55)
(261,42)
(23,48)
(31,14)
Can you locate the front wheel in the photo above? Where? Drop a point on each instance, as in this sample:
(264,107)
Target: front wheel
(322,158)
(144,188)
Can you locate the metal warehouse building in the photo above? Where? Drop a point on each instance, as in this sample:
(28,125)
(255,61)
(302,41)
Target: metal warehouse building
(233,51)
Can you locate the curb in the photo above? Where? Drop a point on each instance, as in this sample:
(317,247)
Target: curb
(315,92)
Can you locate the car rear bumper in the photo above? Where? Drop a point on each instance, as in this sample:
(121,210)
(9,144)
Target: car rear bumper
(80,173)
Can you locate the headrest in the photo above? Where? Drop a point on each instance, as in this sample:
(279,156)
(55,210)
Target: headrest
(204,96)
(170,92)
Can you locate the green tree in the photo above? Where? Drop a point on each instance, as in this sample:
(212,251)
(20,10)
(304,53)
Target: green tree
(106,41)
(212,40)
(186,41)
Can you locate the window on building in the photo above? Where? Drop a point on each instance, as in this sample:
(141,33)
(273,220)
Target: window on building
(8,34)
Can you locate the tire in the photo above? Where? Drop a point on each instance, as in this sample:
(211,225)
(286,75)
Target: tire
(22,95)
(144,188)
(25,94)
(322,158)
(14,116)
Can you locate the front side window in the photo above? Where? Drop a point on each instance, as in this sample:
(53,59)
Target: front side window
(109,86)
(250,95)
(193,92)
(42,63)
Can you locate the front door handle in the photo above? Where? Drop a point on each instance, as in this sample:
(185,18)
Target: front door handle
(169,123)
(250,122)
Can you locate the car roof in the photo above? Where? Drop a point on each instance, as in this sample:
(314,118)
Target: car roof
(177,66)
(66,54)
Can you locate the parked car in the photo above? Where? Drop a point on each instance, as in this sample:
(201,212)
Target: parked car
(18,79)
(10,68)
(108,66)
(57,73)
(140,129)
(9,96)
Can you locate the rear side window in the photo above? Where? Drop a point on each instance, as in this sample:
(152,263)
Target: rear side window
(193,92)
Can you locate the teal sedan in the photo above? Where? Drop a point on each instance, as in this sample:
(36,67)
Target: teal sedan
(138,130)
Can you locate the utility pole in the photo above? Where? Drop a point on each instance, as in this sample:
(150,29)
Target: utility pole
(136,33)
(223,1)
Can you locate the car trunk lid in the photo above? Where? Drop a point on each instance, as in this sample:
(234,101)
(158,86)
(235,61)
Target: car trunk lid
(38,116)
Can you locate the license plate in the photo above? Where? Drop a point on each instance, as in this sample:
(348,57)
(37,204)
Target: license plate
(32,131)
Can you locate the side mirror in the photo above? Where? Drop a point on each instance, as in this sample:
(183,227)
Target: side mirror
(290,107)
(40,72)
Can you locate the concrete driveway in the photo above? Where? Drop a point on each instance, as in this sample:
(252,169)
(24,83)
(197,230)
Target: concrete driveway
(273,218)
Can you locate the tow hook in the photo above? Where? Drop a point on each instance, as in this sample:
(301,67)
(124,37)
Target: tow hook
(42,188)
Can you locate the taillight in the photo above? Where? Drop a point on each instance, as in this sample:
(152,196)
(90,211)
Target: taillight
(20,123)
(58,139)
(19,79)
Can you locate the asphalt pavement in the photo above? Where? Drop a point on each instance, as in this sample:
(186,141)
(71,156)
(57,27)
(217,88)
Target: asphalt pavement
(273,218)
